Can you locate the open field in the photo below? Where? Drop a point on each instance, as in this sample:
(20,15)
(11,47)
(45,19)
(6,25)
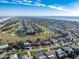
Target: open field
(7,37)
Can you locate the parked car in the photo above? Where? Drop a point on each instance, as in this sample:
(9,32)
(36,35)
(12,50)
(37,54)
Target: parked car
(27,46)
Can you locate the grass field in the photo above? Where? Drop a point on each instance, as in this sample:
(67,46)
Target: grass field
(8,38)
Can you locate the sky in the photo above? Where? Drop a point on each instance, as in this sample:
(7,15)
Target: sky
(39,7)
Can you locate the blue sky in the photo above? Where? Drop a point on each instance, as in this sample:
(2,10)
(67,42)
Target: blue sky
(39,7)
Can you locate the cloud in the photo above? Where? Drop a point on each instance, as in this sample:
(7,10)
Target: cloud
(20,2)
(4,1)
(73,12)
(29,2)
(7,2)
(39,4)
(15,2)
(26,4)
(58,8)
(23,3)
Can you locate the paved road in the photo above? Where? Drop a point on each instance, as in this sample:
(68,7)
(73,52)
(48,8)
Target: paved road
(41,48)
(77,57)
